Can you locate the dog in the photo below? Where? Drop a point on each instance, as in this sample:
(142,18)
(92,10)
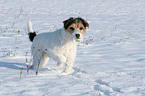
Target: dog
(59,45)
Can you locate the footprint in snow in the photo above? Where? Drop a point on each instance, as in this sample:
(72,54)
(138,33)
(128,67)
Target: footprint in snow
(104,87)
(77,72)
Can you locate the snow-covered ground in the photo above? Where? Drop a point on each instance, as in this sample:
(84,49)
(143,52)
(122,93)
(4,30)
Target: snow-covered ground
(110,62)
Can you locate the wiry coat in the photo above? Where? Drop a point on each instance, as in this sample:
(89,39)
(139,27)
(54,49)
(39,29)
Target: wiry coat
(57,45)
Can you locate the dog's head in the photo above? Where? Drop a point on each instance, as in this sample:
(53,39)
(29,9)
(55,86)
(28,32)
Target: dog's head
(76,27)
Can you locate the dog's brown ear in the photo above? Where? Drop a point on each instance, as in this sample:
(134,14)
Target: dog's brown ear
(67,22)
(85,23)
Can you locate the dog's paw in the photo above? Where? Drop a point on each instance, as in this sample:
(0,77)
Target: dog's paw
(66,72)
(63,73)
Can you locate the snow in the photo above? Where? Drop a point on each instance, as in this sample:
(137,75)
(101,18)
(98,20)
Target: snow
(110,62)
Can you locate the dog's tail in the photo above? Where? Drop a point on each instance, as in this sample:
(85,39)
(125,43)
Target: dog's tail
(31,33)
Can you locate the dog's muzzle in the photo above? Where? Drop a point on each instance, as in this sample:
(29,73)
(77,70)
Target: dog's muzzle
(77,36)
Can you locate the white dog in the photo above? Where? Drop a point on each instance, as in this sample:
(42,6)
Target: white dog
(59,45)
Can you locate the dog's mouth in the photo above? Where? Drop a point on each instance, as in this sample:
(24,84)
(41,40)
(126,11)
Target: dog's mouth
(77,40)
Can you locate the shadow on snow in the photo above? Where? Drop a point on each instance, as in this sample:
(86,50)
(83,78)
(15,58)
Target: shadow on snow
(16,66)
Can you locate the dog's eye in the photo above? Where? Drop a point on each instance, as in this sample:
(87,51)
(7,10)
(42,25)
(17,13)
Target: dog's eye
(72,28)
(81,28)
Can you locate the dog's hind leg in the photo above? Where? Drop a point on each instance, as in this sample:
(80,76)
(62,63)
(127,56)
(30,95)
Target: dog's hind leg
(44,60)
(36,60)
(39,60)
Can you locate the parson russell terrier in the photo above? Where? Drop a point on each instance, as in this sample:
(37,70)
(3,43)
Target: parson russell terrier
(59,45)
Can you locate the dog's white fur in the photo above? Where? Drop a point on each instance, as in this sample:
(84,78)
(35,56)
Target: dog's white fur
(58,45)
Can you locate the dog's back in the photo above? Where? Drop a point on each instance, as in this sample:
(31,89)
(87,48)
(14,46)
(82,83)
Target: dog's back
(48,39)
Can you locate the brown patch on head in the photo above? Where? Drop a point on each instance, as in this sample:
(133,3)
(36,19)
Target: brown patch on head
(75,24)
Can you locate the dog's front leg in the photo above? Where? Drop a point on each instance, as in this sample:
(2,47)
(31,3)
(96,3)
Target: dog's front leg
(68,66)
(61,60)
(69,62)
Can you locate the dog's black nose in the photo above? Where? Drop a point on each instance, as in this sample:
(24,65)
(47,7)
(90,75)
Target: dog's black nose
(78,35)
